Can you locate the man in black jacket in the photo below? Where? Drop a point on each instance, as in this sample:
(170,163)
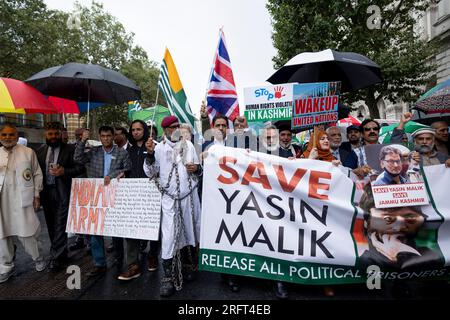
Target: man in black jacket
(138,135)
(58,168)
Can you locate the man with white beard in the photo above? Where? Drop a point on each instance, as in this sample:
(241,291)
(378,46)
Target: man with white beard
(174,165)
(425,153)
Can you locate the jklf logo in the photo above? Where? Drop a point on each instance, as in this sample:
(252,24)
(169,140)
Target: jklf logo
(277,94)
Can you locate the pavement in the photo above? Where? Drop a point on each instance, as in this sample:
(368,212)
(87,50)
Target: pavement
(27,283)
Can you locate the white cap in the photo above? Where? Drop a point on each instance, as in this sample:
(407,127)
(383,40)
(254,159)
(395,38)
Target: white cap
(423,130)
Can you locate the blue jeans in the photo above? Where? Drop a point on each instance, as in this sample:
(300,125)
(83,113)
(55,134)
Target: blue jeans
(98,251)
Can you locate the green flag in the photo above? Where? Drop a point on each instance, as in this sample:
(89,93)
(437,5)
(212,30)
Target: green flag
(148,116)
(170,85)
(133,106)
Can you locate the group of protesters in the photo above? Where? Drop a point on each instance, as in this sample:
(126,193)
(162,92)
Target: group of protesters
(30,179)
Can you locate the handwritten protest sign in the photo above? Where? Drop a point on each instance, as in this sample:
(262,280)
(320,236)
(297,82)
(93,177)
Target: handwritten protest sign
(269,103)
(129,208)
(315,103)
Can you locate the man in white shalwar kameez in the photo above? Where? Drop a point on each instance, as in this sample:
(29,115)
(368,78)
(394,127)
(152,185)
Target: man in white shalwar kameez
(179,228)
(20,184)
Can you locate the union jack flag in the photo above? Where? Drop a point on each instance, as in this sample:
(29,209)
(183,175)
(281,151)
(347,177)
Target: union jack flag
(222,96)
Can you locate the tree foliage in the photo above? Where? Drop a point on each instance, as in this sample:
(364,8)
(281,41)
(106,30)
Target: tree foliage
(33,37)
(343,25)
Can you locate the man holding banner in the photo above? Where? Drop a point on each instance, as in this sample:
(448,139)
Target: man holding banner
(106,161)
(175,166)
(137,152)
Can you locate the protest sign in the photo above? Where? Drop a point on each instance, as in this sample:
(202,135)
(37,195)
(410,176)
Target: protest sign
(129,208)
(275,218)
(396,178)
(268,103)
(295,220)
(315,103)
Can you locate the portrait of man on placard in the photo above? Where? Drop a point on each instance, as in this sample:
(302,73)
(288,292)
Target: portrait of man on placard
(399,237)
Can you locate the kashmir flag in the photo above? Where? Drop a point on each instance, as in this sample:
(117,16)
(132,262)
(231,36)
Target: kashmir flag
(170,85)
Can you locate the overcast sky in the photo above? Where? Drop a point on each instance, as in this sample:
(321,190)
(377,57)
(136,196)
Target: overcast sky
(190,29)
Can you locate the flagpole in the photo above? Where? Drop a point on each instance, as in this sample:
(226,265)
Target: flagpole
(156,102)
(157,94)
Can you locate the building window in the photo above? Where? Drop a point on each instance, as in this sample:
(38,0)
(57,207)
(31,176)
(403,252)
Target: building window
(21,120)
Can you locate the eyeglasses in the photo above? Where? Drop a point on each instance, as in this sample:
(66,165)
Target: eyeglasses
(174,126)
(396,162)
(371,129)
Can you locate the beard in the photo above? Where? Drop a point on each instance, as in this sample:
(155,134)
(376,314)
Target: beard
(285,145)
(271,148)
(353,140)
(173,137)
(424,148)
(54,144)
(334,146)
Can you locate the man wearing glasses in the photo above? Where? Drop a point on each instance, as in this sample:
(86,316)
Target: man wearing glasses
(391,163)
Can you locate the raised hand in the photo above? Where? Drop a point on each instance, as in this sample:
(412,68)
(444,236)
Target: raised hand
(150,145)
(314,154)
(203,111)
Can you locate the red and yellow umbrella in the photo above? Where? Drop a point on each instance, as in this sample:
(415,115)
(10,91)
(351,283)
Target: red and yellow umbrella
(18,97)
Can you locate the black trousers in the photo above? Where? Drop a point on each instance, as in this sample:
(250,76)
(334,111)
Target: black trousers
(56,207)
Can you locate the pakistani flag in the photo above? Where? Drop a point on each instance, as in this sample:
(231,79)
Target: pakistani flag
(170,85)
(152,116)
(133,106)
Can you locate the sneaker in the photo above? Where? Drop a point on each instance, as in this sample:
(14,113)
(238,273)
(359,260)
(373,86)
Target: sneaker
(133,272)
(5,276)
(152,263)
(41,265)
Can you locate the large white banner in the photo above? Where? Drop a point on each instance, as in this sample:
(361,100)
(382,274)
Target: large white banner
(129,208)
(297,221)
(257,205)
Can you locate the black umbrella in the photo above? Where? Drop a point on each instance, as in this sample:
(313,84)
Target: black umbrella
(354,70)
(85,82)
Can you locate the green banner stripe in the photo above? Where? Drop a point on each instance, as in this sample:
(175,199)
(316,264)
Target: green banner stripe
(276,269)
(354,219)
(257,266)
(269,114)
